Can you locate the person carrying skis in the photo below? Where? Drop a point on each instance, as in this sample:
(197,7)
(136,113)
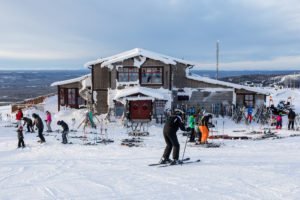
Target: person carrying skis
(19,117)
(279,121)
(204,125)
(171,127)
(291,116)
(40,126)
(28,122)
(65,131)
(48,121)
(20,137)
(192,126)
(249,116)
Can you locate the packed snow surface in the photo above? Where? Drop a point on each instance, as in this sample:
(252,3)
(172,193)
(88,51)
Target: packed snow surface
(239,169)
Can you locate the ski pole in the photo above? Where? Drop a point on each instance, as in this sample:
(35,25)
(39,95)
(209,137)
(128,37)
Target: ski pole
(184,147)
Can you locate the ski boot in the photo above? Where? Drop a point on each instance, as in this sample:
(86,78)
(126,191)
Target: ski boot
(175,162)
(164,161)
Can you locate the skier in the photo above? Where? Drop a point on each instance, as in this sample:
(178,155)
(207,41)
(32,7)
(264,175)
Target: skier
(192,125)
(191,111)
(28,122)
(20,137)
(48,121)
(291,116)
(19,117)
(171,127)
(273,122)
(279,121)
(40,126)
(65,131)
(249,111)
(204,125)
(217,110)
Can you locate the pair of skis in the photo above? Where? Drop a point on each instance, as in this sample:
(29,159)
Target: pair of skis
(181,162)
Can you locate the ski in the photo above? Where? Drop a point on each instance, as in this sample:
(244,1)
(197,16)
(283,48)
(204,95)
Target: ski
(181,163)
(156,164)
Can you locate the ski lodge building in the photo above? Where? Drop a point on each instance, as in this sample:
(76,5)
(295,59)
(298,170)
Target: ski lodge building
(145,84)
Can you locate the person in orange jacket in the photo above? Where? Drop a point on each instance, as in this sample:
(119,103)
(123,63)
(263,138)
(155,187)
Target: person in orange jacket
(204,125)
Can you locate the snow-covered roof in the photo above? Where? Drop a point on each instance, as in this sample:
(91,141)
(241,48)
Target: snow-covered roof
(142,53)
(74,80)
(227,84)
(155,93)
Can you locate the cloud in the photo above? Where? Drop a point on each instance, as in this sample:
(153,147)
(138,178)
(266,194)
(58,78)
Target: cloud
(82,30)
(279,63)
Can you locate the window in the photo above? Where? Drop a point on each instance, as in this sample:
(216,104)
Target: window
(182,98)
(71,96)
(62,96)
(152,75)
(249,100)
(81,101)
(128,74)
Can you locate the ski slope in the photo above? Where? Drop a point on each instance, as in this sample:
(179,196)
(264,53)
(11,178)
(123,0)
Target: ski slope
(239,169)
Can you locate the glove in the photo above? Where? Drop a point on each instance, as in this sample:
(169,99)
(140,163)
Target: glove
(188,129)
(211,126)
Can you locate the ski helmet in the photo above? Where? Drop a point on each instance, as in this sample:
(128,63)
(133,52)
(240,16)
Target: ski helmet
(178,112)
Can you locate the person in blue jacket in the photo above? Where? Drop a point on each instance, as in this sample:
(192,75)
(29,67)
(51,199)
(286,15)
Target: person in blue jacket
(249,111)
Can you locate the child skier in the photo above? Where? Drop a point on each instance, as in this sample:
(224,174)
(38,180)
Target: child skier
(65,131)
(48,121)
(279,121)
(28,122)
(20,137)
(171,127)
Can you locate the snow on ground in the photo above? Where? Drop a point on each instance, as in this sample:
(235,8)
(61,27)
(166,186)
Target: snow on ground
(239,169)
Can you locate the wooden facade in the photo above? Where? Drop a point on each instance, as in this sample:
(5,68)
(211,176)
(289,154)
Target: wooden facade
(68,96)
(173,79)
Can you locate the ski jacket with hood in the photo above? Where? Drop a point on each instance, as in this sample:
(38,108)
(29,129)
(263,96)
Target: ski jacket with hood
(173,124)
(38,121)
(291,115)
(19,115)
(64,125)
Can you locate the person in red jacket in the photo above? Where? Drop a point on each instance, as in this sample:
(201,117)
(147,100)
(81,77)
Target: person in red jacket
(19,117)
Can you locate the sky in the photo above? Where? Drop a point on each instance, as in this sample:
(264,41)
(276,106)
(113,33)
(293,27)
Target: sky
(65,34)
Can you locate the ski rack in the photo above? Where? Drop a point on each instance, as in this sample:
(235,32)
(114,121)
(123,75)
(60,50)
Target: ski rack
(138,128)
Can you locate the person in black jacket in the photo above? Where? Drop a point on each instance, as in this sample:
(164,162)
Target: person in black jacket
(65,131)
(28,122)
(20,137)
(40,126)
(171,127)
(291,116)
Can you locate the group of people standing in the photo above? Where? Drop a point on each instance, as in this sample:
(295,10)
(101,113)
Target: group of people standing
(174,123)
(37,121)
(200,127)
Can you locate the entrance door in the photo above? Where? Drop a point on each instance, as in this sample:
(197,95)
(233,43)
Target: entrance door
(140,109)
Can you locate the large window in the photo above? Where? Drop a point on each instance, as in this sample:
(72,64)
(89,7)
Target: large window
(128,74)
(81,101)
(71,96)
(152,75)
(249,100)
(62,96)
